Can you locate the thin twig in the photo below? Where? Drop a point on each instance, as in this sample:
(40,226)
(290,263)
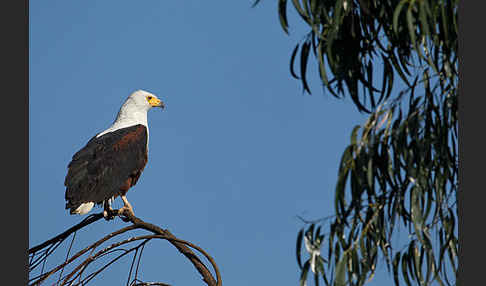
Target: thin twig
(67,256)
(138,263)
(131,267)
(45,276)
(101,253)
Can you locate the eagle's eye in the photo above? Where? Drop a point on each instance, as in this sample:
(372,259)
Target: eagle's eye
(149,97)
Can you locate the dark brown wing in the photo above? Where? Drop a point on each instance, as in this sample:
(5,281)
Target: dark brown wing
(107,166)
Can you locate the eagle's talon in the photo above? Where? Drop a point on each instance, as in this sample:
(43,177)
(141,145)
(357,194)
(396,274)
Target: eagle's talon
(109,214)
(125,212)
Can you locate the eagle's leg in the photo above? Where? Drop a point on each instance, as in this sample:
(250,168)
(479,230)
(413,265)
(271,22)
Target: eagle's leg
(127,207)
(108,212)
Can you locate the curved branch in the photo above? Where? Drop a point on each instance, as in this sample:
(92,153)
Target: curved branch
(181,246)
(126,215)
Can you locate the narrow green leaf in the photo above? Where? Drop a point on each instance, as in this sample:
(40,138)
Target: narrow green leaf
(405,259)
(422,254)
(384,79)
(423,17)
(429,202)
(430,268)
(322,67)
(307,8)
(390,76)
(320,266)
(317,233)
(337,249)
(363,249)
(339,203)
(452,252)
(369,72)
(417,264)
(398,68)
(404,60)
(338,8)
(304,56)
(369,173)
(430,61)
(452,240)
(314,35)
(298,247)
(411,261)
(301,11)
(331,244)
(412,29)
(310,232)
(303,274)
(443,246)
(396,15)
(356,191)
(428,12)
(417,218)
(354,134)
(373,251)
(396,262)
(292,60)
(352,86)
(354,262)
(341,271)
(445,25)
(332,34)
(282,13)
(314,5)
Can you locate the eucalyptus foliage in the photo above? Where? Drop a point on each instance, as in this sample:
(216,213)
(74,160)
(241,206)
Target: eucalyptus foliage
(397,61)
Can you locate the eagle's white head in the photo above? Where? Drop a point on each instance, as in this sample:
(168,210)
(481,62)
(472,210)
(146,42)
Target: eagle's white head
(141,100)
(134,110)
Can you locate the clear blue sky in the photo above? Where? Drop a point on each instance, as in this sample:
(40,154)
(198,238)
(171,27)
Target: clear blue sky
(238,153)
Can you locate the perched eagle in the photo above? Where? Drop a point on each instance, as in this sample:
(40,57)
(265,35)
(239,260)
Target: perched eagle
(112,161)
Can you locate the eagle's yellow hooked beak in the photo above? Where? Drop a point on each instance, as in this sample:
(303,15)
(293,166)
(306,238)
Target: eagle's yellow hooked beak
(155,102)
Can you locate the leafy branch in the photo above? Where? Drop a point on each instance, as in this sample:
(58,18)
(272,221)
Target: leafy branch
(402,172)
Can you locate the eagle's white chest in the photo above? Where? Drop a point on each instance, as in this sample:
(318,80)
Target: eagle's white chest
(129,115)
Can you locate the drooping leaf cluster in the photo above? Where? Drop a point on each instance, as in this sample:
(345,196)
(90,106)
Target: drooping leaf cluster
(397,61)
(400,171)
(351,39)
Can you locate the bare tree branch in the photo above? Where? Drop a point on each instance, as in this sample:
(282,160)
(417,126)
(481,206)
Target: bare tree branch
(181,246)
(39,253)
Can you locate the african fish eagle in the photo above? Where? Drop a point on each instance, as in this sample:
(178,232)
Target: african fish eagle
(112,161)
